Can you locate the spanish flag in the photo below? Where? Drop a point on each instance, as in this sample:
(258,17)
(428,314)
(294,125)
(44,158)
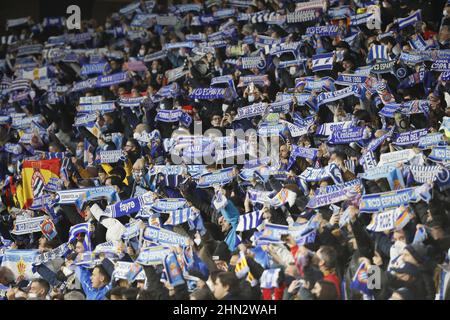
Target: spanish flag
(35,175)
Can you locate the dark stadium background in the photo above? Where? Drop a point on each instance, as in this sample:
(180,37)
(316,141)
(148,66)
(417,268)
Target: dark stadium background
(38,9)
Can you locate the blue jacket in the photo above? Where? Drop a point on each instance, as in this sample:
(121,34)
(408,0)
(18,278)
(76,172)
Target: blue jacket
(84,275)
(231,214)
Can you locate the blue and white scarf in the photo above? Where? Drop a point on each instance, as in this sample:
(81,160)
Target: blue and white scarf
(347,135)
(368,160)
(251,111)
(344,192)
(303,16)
(404,22)
(431,140)
(322,62)
(220,177)
(323,31)
(383,67)
(410,137)
(440,154)
(81,228)
(103,107)
(250,221)
(111,156)
(164,237)
(23,225)
(391,173)
(159,55)
(327,129)
(131,102)
(152,255)
(350,79)
(423,174)
(168,205)
(258,62)
(95,68)
(326,97)
(180,216)
(382,201)
(70,196)
(169,115)
(330,171)
(311,84)
(208,93)
(397,156)
(297,151)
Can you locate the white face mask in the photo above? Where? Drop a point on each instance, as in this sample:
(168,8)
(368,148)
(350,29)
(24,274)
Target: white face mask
(107,25)
(197,241)
(444,13)
(32,295)
(251,98)
(11,169)
(141,52)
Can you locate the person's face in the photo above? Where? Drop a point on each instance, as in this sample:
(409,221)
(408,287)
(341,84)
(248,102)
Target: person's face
(220,290)
(224,224)
(102,176)
(347,64)
(399,236)
(36,289)
(284,152)
(316,290)
(87,214)
(123,283)
(129,147)
(115,297)
(108,119)
(79,248)
(444,34)
(114,65)
(215,121)
(97,279)
(42,243)
(434,101)
(140,285)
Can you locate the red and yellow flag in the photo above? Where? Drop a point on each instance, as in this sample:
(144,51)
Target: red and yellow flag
(35,175)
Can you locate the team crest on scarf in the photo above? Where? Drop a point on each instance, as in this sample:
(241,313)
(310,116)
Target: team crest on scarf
(37,183)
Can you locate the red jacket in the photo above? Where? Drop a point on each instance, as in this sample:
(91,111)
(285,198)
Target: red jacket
(332,277)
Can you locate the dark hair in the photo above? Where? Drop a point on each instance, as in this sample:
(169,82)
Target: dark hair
(44,284)
(229,279)
(213,274)
(116,181)
(328,291)
(104,273)
(116,291)
(134,142)
(130,293)
(329,256)
(145,295)
(118,171)
(202,294)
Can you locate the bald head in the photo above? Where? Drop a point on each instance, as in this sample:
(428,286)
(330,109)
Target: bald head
(6,276)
